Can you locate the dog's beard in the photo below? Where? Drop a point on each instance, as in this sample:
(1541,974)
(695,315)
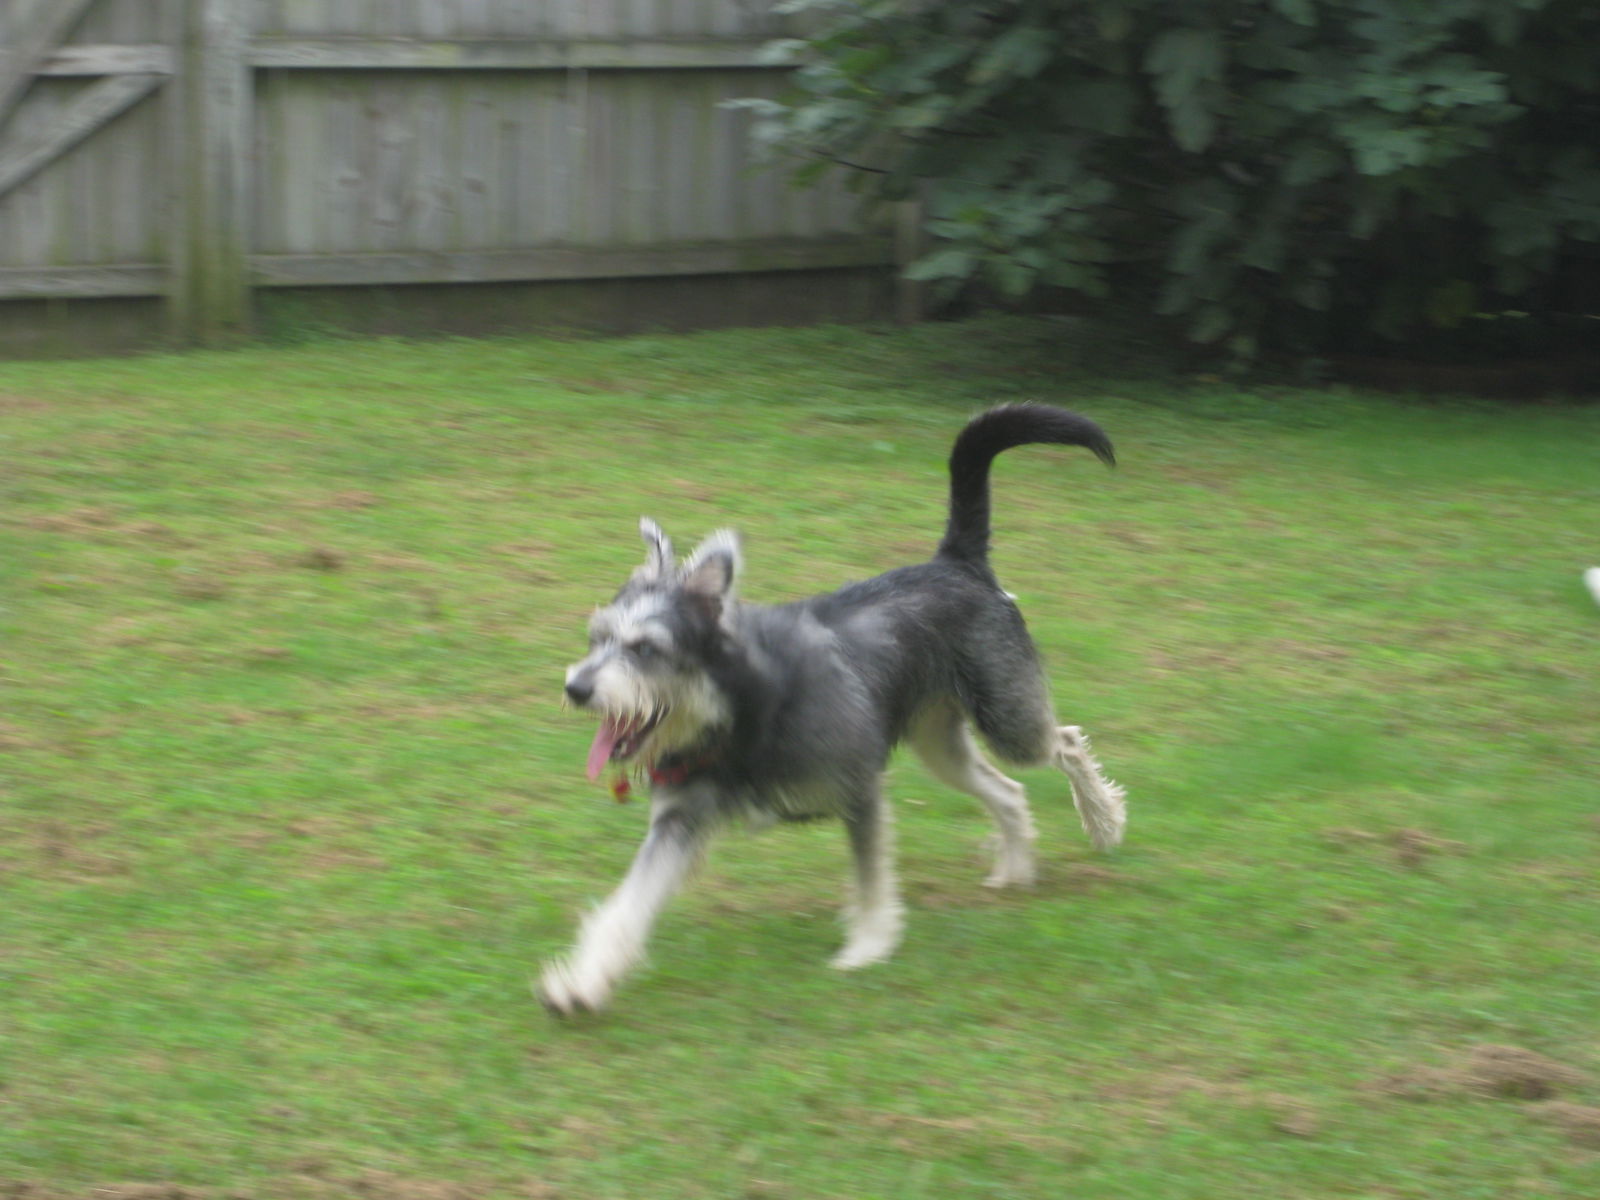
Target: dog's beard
(646,725)
(620,737)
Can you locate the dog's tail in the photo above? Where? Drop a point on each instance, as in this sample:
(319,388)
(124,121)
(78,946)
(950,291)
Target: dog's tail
(966,536)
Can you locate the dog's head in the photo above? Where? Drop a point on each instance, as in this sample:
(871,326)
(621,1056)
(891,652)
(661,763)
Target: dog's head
(646,672)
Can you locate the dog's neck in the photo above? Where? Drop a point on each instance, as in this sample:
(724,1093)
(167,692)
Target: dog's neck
(675,770)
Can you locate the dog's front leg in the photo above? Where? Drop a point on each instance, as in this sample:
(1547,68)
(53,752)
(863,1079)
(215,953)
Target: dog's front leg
(874,918)
(612,938)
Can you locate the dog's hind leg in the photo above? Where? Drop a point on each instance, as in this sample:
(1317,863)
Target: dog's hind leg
(946,746)
(1100,802)
(612,938)
(874,918)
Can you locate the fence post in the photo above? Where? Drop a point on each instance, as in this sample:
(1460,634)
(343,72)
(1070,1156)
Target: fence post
(210,124)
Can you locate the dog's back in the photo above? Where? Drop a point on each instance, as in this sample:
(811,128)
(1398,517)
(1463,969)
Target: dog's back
(856,669)
(944,628)
(834,682)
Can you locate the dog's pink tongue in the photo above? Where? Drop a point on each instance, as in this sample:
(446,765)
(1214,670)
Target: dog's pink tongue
(605,740)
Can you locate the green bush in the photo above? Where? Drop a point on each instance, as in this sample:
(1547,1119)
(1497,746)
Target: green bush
(1299,174)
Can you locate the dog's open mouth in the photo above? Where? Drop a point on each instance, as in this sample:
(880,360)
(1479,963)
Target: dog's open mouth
(619,739)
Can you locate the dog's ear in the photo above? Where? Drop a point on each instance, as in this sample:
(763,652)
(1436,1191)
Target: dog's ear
(710,573)
(658,560)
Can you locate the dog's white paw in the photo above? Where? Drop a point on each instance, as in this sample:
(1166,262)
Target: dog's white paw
(564,992)
(874,936)
(1012,870)
(853,957)
(1013,862)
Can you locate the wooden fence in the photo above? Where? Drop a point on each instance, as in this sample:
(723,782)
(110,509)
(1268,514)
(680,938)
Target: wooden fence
(192,158)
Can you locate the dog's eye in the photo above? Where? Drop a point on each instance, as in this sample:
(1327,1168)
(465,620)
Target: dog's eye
(645,650)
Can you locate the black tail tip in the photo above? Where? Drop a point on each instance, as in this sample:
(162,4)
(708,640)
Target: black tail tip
(1031,421)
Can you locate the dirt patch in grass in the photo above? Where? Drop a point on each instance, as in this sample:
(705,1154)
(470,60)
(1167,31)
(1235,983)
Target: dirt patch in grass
(71,854)
(928,895)
(1413,847)
(316,846)
(401,562)
(313,1184)
(1498,1072)
(1504,1073)
(1215,661)
(1304,651)
(1410,848)
(101,522)
(1131,535)
(1155,1097)
(76,521)
(819,898)
(18,1190)
(13,738)
(11,402)
(351,500)
(1082,877)
(912,1134)
(1163,1088)
(321,558)
(200,587)
(525,548)
(597,385)
(1580,1122)
(1210,479)
(963,889)
(382,1185)
(1574,878)
(1293,1116)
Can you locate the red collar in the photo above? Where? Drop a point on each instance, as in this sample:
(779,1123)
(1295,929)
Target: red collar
(678,771)
(673,773)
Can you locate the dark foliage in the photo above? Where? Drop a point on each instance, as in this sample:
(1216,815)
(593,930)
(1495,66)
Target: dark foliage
(1309,175)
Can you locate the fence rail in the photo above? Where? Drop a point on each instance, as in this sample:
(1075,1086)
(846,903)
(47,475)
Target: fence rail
(196,151)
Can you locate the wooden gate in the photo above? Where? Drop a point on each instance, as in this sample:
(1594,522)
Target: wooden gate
(81,225)
(35,48)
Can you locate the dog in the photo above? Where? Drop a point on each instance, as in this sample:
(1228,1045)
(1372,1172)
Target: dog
(740,712)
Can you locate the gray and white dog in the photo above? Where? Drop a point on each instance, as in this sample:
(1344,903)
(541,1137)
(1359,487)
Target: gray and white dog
(744,712)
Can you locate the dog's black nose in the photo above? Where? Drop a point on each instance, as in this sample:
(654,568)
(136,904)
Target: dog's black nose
(579,690)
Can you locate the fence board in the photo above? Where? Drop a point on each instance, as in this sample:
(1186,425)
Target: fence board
(109,59)
(546,19)
(124,21)
(41,283)
(559,263)
(29,33)
(92,108)
(501,54)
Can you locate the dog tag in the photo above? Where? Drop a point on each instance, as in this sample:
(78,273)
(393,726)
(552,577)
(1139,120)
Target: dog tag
(620,788)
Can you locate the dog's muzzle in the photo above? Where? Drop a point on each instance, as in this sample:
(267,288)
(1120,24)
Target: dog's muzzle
(618,739)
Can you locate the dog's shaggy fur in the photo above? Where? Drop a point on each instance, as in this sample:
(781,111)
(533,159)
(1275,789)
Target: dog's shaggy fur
(738,711)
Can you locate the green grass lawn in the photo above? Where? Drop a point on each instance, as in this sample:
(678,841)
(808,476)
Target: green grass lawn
(290,811)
